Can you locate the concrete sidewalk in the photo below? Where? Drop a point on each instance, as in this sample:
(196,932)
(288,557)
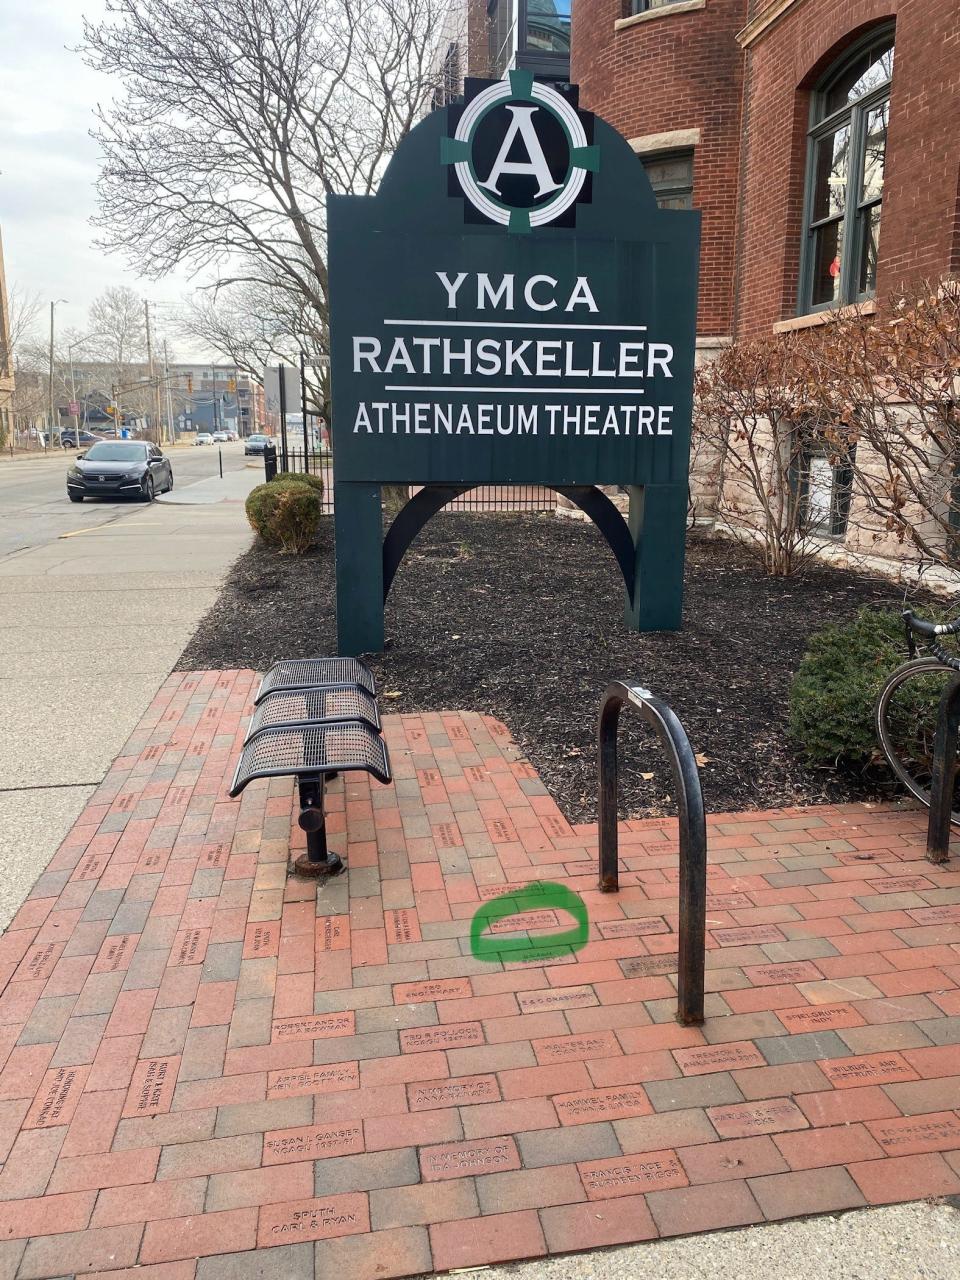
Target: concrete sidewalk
(90,625)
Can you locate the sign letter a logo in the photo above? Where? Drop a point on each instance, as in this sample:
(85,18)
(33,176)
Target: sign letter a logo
(522,124)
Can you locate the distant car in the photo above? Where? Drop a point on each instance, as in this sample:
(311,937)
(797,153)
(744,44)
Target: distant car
(232,435)
(68,439)
(204,437)
(255,444)
(221,437)
(119,469)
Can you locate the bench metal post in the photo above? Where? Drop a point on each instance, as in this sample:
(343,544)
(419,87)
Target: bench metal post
(318,861)
(693,831)
(944,774)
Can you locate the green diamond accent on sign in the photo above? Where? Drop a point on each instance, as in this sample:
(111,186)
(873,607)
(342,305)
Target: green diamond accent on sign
(586,158)
(520,221)
(521,84)
(453,151)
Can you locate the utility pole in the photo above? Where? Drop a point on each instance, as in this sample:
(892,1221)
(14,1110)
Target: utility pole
(158,414)
(171,432)
(50,406)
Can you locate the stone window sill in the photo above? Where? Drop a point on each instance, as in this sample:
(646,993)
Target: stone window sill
(867,308)
(668,11)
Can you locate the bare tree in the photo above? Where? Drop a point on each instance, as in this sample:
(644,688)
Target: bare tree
(240,117)
(889,384)
(118,337)
(756,420)
(16,326)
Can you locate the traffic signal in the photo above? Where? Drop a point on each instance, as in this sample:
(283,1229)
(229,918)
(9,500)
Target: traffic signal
(111,409)
(189,384)
(231,384)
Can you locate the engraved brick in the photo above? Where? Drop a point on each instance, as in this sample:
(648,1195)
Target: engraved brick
(152,1087)
(402,926)
(333,934)
(467,1159)
(261,940)
(641,928)
(775,1115)
(317,1026)
(316,1142)
(115,953)
(463,1091)
(870,1068)
(602,1104)
(702,1059)
(827,1017)
(632,1175)
(57,1098)
(189,948)
(650,966)
(582,1048)
(324,1079)
(440,989)
(747,935)
(912,1135)
(563,998)
(769,975)
(455,1035)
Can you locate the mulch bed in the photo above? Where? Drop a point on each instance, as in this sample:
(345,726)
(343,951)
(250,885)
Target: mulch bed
(520,617)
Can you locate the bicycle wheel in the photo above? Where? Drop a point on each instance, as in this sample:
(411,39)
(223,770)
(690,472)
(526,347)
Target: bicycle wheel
(906,721)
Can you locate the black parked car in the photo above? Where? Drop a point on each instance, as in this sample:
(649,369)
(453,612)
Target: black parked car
(255,444)
(119,469)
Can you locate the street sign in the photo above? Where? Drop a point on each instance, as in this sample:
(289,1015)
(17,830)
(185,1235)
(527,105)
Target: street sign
(73,408)
(512,307)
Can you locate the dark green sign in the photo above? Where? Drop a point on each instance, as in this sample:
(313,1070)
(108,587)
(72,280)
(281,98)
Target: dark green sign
(512,307)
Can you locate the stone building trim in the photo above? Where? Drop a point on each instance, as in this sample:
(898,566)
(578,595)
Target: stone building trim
(812,318)
(650,15)
(672,140)
(763,21)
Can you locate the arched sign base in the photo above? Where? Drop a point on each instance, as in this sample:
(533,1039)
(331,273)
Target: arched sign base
(648,549)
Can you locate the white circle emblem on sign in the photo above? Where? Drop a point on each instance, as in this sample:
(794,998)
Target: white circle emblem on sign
(558,107)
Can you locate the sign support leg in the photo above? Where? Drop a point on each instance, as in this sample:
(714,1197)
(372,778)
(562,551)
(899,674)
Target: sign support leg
(658,518)
(359,530)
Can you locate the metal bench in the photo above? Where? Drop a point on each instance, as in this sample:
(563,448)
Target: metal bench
(308,673)
(313,732)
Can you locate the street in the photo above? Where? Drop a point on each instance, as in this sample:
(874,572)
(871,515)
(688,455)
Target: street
(35,510)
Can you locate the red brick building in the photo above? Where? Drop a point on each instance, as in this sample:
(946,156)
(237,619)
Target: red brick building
(820,138)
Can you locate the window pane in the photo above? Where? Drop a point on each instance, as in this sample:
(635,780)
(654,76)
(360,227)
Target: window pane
(871,243)
(548,26)
(672,180)
(830,159)
(819,506)
(874,152)
(827,255)
(866,73)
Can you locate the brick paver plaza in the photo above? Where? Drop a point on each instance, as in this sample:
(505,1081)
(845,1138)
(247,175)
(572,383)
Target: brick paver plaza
(211,1070)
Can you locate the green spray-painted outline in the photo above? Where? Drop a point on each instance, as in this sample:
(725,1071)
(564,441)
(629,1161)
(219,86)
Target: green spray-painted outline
(538,895)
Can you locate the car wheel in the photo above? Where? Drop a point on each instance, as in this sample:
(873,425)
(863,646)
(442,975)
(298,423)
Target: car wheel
(75,497)
(148,489)
(170,483)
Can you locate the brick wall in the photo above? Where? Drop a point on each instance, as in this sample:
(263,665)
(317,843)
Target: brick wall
(675,71)
(686,70)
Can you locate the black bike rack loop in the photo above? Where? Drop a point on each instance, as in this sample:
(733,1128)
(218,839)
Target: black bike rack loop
(693,831)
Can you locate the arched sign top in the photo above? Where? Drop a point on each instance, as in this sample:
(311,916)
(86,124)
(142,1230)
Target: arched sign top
(512,307)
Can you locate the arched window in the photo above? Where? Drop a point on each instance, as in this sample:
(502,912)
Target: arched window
(848,141)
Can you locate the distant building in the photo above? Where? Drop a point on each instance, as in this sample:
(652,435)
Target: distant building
(485,39)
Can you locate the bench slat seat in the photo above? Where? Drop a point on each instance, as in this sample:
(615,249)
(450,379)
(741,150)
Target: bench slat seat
(306,673)
(307,750)
(321,705)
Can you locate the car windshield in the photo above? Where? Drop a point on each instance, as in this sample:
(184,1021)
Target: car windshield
(257,437)
(104,451)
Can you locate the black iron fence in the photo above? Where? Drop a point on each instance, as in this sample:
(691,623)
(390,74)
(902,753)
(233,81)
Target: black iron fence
(500,497)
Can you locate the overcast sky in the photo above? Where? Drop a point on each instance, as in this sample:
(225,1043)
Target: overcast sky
(48,163)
